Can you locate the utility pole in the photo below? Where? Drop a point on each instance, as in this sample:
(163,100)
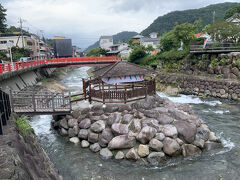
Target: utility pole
(21,22)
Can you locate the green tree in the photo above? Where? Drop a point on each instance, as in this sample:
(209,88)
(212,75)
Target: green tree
(97,52)
(230,12)
(137,53)
(199,24)
(149,49)
(2,19)
(17,53)
(224,31)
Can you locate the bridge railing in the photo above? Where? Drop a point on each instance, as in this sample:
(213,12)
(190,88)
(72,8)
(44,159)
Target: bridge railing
(16,66)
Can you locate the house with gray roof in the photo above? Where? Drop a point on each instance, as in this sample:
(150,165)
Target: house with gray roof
(105,42)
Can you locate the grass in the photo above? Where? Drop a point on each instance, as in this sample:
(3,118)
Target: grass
(75,98)
(24,126)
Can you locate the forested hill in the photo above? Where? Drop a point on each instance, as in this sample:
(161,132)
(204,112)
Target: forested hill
(120,37)
(167,22)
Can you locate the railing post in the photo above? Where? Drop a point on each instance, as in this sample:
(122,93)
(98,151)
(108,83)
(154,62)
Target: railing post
(125,95)
(63,99)
(90,93)
(84,89)
(145,90)
(11,100)
(1,126)
(70,104)
(53,105)
(33,101)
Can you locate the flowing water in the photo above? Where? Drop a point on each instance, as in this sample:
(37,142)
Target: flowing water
(73,162)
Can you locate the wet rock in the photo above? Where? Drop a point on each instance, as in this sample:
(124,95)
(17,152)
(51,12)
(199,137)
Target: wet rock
(213,137)
(83,134)
(146,134)
(85,144)
(76,113)
(132,155)
(199,142)
(143,150)
(138,115)
(151,114)
(164,119)
(122,142)
(119,129)
(74,140)
(94,118)
(160,136)
(186,131)
(170,131)
(85,111)
(63,123)
(63,132)
(111,108)
(127,118)
(190,150)
(178,115)
(113,118)
(171,147)
(212,145)
(119,155)
(125,107)
(85,124)
(76,130)
(106,153)
(179,141)
(136,125)
(98,113)
(102,142)
(103,117)
(156,145)
(107,135)
(97,108)
(72,123)
(203,133)
(95,147)
(92,137)
(161,110)
(71,132)
(98,126)
(156,158)
(150,122)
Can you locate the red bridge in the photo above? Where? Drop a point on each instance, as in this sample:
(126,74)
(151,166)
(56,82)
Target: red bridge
(58,62)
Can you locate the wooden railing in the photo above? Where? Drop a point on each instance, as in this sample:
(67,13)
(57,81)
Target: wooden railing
(39,102)
(5,110)
(16,66)
(121,93)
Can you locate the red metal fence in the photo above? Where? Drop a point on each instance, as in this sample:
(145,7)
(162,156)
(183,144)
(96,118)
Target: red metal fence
(16,66)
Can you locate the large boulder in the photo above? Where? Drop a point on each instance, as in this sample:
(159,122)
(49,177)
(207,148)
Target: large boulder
(143,150)
(74,140)
(213,137)
(212,145)
(199,142)
(146,134)
(151,113)
(164,119)
(95,147)
(160,136)
(171,147)
(71,132)
(170,130)
(132,155)
(122,142)
(150,122)
(136,125)
(85,144)
(186,131)
(98,126)
(124,107)
(127,118)
(156,145)
(107,135)
(72,123)
(203,133)
(94,118)
(106,153)
(155,158)
(85,124)
(189,150)
(63,123)
(76,130)
(92,137)
(119,129)
(83,134)
(76,113)
(63,132)
(111,108)
(113,118)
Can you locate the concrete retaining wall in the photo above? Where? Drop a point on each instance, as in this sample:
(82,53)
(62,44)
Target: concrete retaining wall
(29,78)
(220,88)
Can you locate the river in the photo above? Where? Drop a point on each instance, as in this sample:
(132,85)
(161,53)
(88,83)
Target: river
(75,163)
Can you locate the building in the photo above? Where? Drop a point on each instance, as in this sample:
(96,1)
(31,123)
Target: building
(234,19)
(105,42)
(77,52)
(137,38)
(153,35)
(38,49)
(62,47)
(123,49)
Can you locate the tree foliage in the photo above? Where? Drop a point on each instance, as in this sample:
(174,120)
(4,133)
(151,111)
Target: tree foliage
(137,53)
(2,19)
(224,31)
(167,22)
(97,52)
(230,12)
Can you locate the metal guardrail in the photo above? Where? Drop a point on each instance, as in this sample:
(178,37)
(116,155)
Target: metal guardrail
(213,47)
(16,66)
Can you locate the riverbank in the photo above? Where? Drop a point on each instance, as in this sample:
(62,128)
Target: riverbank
(22,157)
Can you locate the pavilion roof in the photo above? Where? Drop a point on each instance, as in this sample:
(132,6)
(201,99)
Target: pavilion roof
(121,68)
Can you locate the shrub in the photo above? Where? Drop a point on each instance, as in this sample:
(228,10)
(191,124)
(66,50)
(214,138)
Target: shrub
(24,126)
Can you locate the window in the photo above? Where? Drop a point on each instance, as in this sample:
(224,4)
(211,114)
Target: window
(12,41)
(3,42)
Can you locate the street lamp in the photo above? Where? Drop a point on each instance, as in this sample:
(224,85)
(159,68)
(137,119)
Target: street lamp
(9,46)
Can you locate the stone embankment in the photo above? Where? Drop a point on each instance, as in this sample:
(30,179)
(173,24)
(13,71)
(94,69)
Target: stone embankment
(22,158)
(154,130)
(203,86)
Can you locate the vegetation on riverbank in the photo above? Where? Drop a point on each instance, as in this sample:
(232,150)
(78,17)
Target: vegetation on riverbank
(24,126)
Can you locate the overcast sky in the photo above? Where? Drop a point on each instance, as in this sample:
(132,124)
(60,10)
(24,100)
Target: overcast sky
(86,20)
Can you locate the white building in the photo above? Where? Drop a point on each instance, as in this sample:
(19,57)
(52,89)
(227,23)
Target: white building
(234,19)
(153,35)
(105,42)
(122,49)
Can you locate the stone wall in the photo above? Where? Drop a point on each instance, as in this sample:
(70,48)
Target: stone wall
(221,88)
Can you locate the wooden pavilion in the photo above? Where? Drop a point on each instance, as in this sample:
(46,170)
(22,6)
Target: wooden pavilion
(120,82)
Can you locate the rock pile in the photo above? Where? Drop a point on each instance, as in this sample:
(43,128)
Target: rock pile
(155,129)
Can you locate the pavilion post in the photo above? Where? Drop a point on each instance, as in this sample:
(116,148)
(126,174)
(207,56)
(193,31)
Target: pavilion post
(84,89)
(90,93)
(125,95)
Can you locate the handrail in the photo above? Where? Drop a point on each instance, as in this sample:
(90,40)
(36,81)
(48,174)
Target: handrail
(16,66)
